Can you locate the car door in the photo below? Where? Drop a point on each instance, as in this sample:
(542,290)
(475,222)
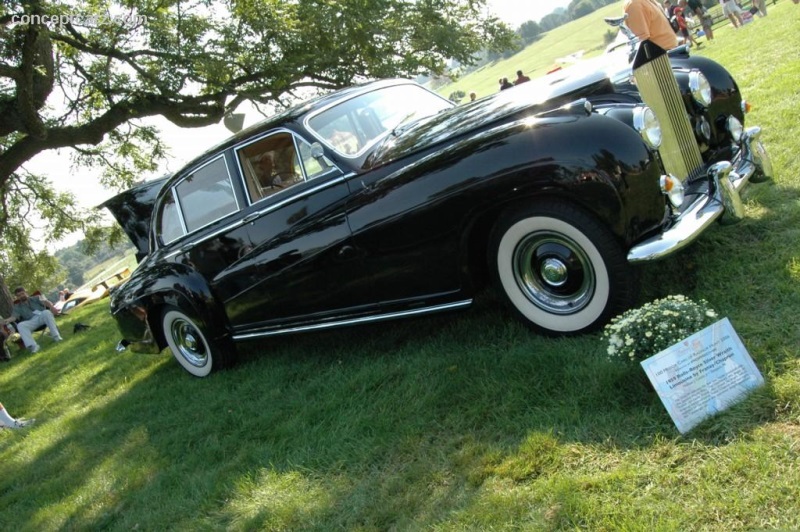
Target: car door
(405,221)
(197,222)
(295,265)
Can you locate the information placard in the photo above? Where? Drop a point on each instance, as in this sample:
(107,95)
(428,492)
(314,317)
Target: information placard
(703,374)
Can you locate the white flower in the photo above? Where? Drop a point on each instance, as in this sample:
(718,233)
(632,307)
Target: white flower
(656,325)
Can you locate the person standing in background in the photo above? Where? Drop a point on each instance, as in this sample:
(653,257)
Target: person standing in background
(648,22)
(734,13)
(702,14)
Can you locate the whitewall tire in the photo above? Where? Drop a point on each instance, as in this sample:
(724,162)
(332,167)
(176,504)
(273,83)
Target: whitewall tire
(561,270)
(188,343)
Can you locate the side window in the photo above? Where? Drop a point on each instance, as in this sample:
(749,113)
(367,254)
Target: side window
(314,167)
(270,165)
(169,224)
(206,195)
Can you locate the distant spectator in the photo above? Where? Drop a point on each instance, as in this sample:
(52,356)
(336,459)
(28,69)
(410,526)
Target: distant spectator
(702,15)
(8,422)
(669,10)
(734,13)
(504,84)
(521,78)
(761,5)
(30,313)
(682,26)
(648,22)
(472,96)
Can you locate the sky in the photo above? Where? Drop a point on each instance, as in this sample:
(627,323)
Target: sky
(515,12)
(186,143)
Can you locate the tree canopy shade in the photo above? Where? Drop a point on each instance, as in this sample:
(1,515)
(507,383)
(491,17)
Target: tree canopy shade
(80,74)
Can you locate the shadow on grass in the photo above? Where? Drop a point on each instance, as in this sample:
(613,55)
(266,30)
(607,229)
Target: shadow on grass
(400,423)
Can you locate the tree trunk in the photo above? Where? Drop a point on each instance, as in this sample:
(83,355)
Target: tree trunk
(6,301)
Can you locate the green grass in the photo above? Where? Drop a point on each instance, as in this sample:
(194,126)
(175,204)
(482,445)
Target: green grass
(584,34)
(458,422)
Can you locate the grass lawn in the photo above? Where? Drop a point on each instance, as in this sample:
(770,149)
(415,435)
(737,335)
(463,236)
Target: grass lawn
(464,421)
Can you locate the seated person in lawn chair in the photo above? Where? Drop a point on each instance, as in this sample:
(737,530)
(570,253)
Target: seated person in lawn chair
(31,314)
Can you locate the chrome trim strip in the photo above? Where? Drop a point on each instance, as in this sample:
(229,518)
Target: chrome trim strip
(355,321)
(298,196)
(275,206)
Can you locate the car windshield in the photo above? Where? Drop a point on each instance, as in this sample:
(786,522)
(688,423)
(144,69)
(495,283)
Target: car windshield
(353,126)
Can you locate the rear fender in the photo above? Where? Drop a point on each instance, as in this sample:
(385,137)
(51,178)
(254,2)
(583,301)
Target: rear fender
(177,285)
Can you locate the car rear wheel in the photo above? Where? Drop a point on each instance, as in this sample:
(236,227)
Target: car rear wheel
(190,345)
(561,270)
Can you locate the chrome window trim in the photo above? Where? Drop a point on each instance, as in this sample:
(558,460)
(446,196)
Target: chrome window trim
(355,321)
(259,213)
(237,148)
(160,240)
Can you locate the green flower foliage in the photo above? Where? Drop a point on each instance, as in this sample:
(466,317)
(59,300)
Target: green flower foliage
(642,332)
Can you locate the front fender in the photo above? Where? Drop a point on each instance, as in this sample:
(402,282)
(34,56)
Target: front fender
(592,160)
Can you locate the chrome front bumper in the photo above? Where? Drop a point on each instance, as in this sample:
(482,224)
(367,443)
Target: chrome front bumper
(723,201)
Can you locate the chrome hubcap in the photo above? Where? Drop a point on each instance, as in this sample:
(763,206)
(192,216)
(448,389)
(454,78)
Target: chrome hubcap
(189,342)
(554,272)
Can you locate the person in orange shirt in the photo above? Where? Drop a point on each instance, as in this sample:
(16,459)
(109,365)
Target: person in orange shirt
(648,22)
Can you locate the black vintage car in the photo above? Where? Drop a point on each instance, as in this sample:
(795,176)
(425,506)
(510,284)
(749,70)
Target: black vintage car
(386,201)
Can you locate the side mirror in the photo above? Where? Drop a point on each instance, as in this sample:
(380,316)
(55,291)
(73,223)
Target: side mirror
(233,122)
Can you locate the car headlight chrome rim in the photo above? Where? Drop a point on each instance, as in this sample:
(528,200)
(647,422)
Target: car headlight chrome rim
(700,87)
(673,189)
(735,128)
(646,123)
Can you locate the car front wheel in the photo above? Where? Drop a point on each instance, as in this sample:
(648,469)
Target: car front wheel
(561,271)
(190,346)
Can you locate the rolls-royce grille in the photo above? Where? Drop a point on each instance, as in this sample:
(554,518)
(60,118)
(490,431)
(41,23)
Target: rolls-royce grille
(659,89)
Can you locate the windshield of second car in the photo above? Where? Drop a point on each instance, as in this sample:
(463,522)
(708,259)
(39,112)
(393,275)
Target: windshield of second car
(353,126)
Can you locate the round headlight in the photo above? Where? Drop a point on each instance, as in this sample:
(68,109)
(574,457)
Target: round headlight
(735,128)
(646,123)
(700,87)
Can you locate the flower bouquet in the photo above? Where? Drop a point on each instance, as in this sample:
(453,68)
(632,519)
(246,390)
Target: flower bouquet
(642,332)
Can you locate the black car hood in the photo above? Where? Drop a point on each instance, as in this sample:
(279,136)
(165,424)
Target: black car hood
(529,98)
(133,209)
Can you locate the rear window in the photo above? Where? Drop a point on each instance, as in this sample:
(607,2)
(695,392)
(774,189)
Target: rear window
(203,197)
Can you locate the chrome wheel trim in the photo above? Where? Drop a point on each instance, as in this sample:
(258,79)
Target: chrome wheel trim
(554,273)
(538,315)
(189,342)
